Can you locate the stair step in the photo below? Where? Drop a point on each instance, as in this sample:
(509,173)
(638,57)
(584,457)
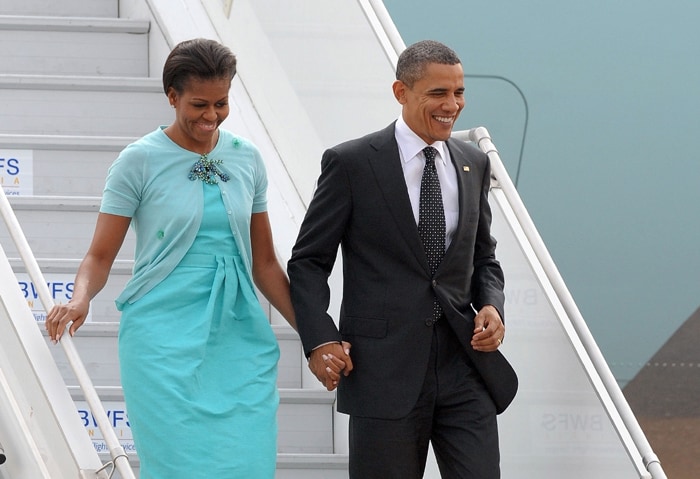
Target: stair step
(58,227)
(92,8)
(312,466)
(305,419)
(289,466)
(59,275)
(74,46)
(68,266)
(40,23)
(63,165)
(68,105)
(65,142)
(96,342)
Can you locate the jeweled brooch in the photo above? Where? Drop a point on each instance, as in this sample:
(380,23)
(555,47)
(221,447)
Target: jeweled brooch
(205,169)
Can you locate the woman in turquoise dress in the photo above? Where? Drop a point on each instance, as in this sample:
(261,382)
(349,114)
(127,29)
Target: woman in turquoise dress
(198,357)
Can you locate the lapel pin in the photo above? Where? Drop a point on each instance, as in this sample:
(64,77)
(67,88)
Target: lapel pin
(465,168)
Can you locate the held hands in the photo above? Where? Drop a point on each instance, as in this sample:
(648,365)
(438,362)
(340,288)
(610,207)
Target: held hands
(60,315)
(328,361)
(488,330)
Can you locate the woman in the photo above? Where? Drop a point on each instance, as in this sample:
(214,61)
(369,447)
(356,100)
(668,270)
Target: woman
(197,354)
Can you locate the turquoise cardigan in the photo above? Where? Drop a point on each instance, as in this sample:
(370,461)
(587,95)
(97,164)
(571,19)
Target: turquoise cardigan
(148,182)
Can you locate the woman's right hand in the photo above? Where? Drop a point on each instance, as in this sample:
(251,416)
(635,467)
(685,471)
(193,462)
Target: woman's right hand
(74,312)
(91,277)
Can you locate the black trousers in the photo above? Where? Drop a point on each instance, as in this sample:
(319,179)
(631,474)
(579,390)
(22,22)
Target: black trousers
(454,412)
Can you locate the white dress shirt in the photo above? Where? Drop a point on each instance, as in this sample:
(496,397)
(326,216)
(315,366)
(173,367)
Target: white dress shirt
(413,162)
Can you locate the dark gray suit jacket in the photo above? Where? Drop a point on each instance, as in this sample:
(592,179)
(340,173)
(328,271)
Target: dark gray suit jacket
(361,203)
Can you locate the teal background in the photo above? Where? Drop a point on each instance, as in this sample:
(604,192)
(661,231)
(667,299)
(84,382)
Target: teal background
(609,167)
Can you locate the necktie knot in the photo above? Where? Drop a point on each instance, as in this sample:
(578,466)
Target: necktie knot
(430,153)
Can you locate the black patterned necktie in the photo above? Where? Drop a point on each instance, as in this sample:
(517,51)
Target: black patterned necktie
(431,218)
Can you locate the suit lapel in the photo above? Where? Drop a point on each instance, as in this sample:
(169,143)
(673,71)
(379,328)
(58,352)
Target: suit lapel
(467,188)
(385,163)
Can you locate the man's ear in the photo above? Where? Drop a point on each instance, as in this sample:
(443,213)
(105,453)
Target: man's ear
(399,89)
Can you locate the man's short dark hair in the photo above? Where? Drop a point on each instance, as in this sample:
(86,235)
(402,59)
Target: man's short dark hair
(414,59)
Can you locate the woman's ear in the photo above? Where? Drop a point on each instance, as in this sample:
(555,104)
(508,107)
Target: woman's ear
(172,97)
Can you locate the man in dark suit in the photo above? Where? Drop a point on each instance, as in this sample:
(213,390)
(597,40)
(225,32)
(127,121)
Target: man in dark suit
(422,303)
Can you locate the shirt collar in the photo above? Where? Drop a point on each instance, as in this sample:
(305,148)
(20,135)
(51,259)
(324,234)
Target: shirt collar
(410,144)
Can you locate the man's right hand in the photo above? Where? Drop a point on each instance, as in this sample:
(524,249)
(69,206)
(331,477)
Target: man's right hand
(328,361)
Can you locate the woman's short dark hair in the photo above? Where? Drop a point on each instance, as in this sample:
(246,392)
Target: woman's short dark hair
(200,59)
(413,60)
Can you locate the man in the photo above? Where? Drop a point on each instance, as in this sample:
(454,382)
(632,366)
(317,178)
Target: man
(424,316)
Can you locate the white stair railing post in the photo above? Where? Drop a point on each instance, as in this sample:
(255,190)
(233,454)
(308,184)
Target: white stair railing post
(119,458)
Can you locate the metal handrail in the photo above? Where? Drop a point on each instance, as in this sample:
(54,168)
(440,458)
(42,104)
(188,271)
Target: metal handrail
(480,136)
(116,450)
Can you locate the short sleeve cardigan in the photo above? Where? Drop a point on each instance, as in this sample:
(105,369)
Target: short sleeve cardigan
(149,183)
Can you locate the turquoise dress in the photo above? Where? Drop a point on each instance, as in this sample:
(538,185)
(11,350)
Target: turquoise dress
(198,364)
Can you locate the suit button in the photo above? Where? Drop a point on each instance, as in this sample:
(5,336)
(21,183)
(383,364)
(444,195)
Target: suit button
(434,283)
(429,322)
